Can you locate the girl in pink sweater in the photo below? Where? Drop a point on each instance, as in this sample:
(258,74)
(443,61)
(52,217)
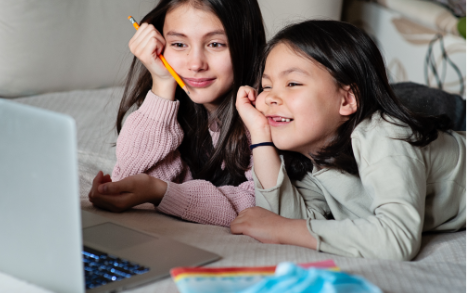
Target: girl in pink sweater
(188,155)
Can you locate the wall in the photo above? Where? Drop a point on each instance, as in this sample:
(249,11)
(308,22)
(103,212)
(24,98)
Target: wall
(278,13)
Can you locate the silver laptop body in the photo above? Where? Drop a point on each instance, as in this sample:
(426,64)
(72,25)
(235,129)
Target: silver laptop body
(43,230)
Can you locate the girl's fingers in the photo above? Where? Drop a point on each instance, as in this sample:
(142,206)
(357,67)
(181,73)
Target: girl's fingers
(136,38)
(142,40)
(106,178)
(117,202)
(142,33)
(249,92)
(147,43)
(245,95)
(154,49)
(236,226)
(145,50)
(252,95)
(97,178)
(161,41)
(126,185)
(109,203)
(112,188)
(148,55)
(94,186)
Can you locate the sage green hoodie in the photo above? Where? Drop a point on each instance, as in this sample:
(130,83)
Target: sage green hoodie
(401,191)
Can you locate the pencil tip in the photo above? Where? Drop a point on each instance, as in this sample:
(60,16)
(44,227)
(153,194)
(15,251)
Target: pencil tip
(129,17)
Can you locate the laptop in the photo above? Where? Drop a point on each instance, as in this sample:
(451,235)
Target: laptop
(46,238)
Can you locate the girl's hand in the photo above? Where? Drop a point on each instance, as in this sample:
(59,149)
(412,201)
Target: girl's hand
(255,121)
(127,193)
(147,44)
(258,223)
(268,227)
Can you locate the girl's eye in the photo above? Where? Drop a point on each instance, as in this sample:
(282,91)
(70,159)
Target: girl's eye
(216,45)
(266,88)
(178,45)
(291,84)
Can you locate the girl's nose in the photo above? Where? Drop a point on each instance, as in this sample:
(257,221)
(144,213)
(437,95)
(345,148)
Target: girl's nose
(272,98)
(196,60)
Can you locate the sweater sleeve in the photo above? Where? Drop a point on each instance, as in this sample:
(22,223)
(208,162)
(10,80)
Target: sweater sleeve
(298,200)
(149,140)
(202,202)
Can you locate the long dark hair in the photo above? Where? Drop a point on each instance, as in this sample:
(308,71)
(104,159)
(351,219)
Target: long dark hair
(353,59)
(242,21)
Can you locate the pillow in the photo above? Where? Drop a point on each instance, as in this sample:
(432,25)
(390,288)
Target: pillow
(422,99)
(54,45)
(427,13)
(457,7)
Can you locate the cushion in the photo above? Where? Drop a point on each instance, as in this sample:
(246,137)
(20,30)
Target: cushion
(422,99)
(427,13)
(457,7)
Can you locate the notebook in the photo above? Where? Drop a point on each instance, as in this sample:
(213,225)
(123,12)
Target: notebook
(46,238)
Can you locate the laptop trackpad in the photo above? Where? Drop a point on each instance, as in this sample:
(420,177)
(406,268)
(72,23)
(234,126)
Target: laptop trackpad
(114,236)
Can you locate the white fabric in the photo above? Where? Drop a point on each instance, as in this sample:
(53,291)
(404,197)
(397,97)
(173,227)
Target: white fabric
(439,267)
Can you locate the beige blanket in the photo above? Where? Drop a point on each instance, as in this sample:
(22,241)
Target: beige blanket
(439,267)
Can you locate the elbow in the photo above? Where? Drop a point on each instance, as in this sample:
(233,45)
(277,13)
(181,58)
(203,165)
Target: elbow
(398,249)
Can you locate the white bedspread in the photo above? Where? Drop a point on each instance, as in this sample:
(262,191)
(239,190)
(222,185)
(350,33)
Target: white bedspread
(439,267)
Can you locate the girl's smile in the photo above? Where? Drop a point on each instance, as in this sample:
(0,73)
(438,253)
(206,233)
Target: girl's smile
(197,49)
(199,82)
(301,101)
(276,121)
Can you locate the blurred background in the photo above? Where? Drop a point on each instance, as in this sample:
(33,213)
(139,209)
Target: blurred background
(53,45)
(422,41)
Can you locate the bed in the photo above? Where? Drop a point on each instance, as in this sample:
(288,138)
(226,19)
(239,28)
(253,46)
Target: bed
(439,267)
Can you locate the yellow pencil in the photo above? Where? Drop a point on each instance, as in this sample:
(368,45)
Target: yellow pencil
(170,69)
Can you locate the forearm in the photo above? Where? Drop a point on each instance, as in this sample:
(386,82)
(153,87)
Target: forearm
(268,227)
(266,160)
(164,88)
(295,232)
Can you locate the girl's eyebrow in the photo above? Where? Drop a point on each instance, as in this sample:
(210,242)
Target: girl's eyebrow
(288,71)
(209,34)
(293,69)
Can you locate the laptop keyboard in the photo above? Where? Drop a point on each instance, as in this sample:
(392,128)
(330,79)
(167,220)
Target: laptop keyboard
(102,268)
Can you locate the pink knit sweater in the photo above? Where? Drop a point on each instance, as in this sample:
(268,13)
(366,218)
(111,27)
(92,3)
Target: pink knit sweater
(148,143)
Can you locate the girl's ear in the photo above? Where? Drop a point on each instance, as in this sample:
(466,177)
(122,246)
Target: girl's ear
(348,102)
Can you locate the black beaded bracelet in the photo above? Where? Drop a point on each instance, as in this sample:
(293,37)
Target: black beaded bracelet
(252,146)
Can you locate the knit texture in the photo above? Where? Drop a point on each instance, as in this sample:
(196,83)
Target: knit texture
(148,143)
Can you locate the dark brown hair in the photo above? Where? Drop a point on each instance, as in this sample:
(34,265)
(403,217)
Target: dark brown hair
(353,59)
(242,21)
